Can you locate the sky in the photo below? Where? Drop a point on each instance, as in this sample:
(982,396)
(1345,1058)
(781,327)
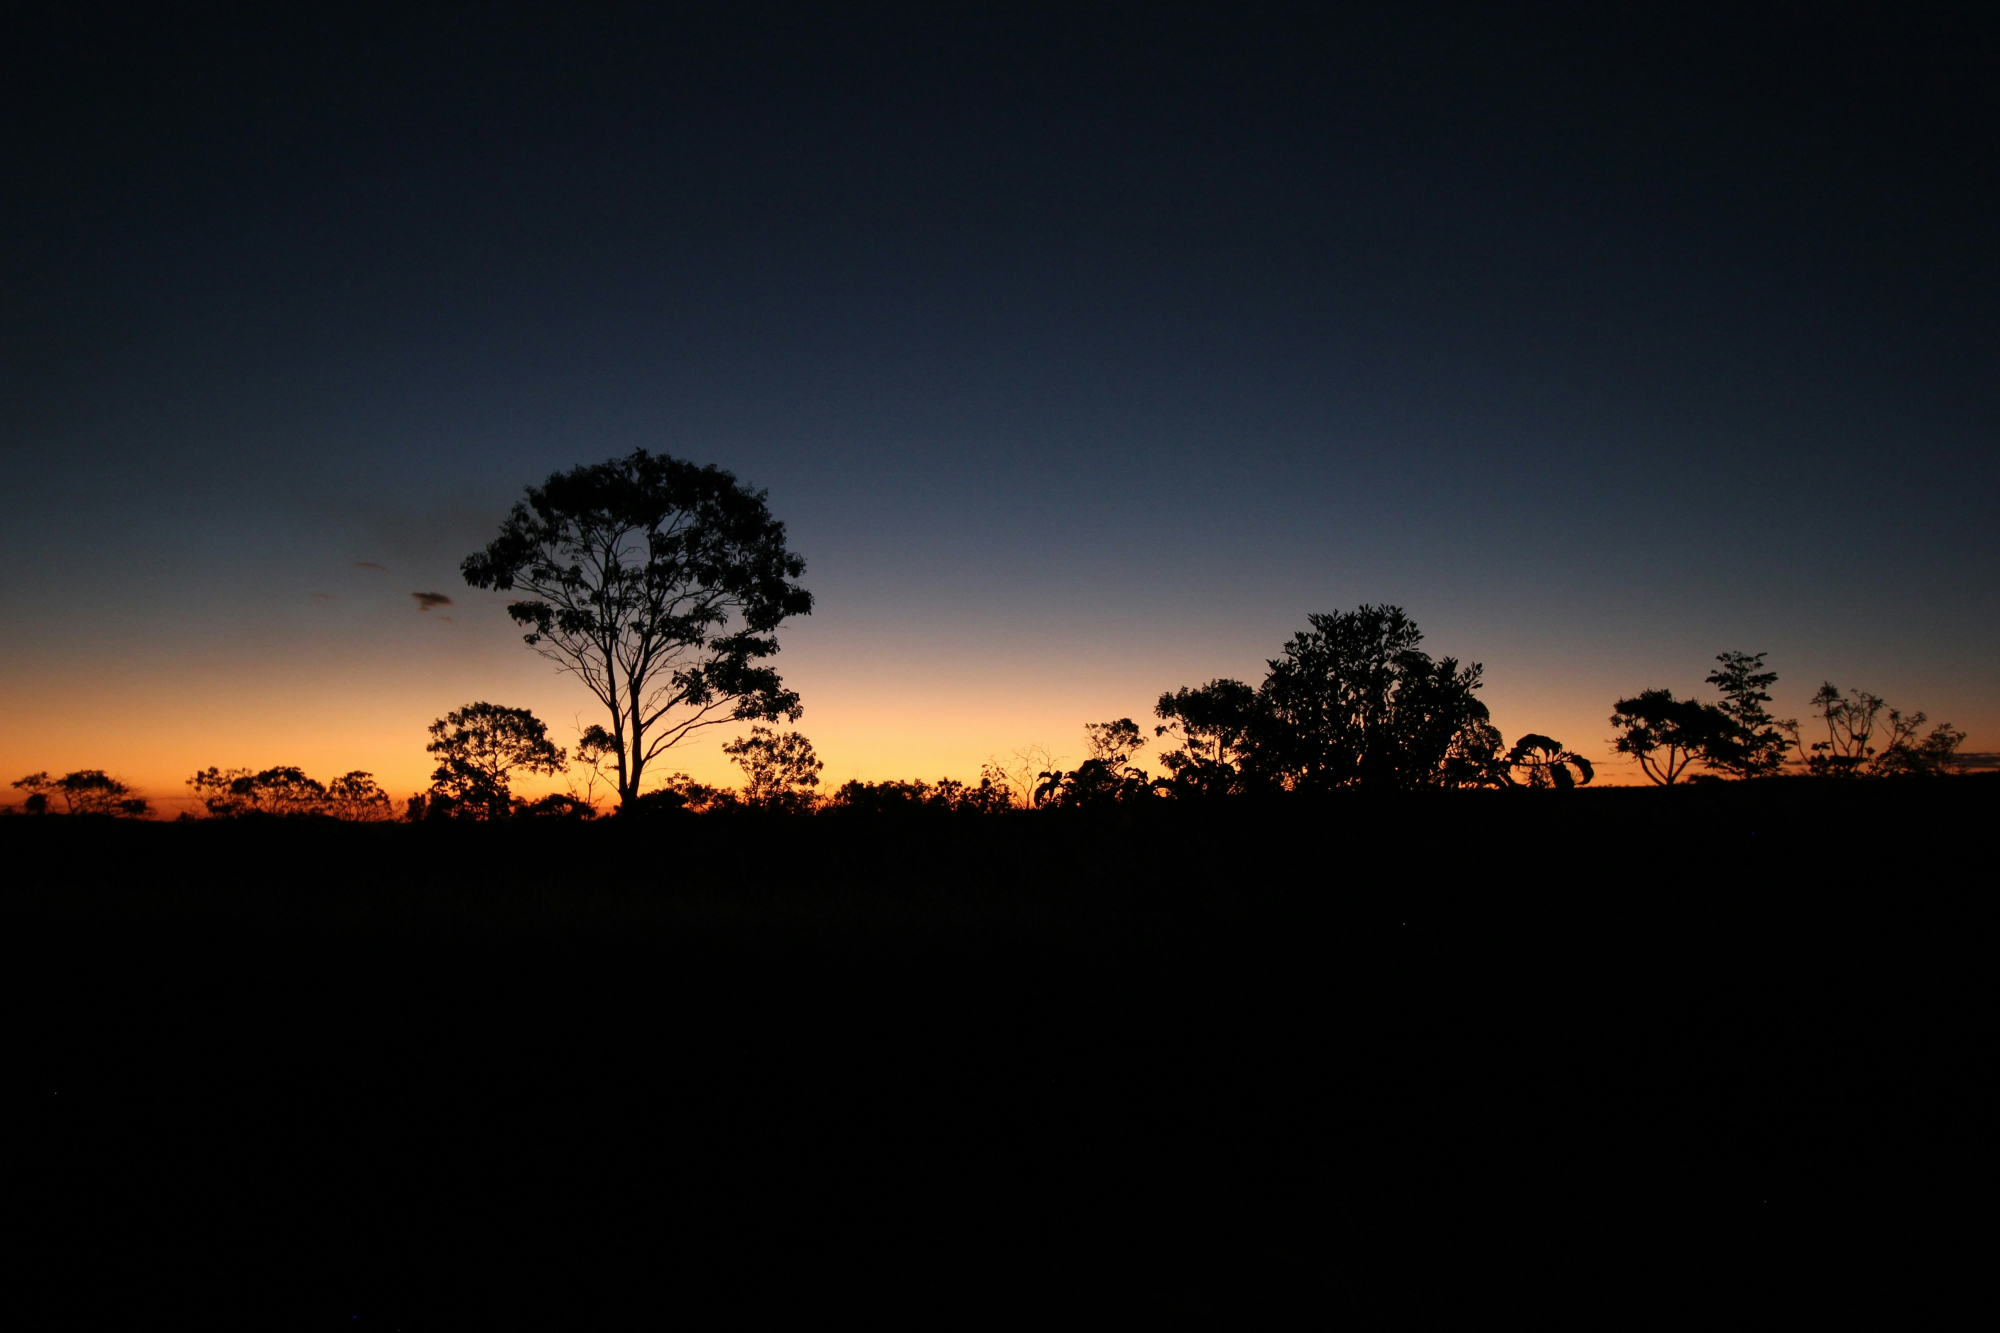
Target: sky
(1083,352)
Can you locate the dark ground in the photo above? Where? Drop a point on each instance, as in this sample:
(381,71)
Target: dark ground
(1708,1051)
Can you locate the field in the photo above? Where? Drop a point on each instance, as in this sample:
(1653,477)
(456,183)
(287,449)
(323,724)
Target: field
(1704,1048)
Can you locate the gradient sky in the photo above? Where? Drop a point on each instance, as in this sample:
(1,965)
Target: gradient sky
(1082,356)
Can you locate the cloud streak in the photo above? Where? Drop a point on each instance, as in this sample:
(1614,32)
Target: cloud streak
(430,601)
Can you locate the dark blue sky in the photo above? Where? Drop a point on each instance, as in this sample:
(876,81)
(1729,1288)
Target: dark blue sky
(1084,356)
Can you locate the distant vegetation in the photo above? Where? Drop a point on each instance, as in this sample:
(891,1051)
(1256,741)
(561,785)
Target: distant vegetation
(88,791)
(661,586)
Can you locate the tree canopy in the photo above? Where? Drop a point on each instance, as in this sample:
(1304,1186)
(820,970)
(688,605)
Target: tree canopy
(660,585)
(479,748)
(1668,736)
(780,771)
(1354,702)
(87,791)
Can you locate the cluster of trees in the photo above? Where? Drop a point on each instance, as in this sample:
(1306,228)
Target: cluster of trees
(1352,702)
(1739,738)
(229,793)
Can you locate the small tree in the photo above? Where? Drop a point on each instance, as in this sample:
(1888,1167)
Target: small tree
(1668,735)
(661,586)
(88,791)
(780,771)
(479,748)
(357,797)
(1759,745)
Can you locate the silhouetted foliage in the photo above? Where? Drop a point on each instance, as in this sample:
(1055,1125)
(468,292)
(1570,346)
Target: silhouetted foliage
(780,771)
(678,793)
(1022,775)
(946,794)
(1543,761)
(986,797)
(479,748)
(1757,747)
(1107,777)
(88,791)
(358,798)
(228,793)
(1850,749)
(1353,702)
(1668,735)
(660,585)
(1212,725)
(556,805)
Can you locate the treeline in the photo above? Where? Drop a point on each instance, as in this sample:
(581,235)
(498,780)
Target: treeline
(1351,702)
(661,586)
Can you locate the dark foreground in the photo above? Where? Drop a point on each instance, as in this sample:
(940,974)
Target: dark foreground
(1705,1051)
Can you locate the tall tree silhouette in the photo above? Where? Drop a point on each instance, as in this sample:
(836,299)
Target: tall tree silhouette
(660,585)
(1354,702)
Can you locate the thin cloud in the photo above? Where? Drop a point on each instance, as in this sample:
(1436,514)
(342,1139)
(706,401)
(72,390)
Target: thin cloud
(326,597)
(370,564)
(430,601)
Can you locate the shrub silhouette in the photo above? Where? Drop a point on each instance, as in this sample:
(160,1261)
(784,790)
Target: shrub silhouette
(946,794)
(1544,762)
(556,805)
(1107,777)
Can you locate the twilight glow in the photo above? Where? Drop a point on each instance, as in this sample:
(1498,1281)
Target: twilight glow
(1077,373)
